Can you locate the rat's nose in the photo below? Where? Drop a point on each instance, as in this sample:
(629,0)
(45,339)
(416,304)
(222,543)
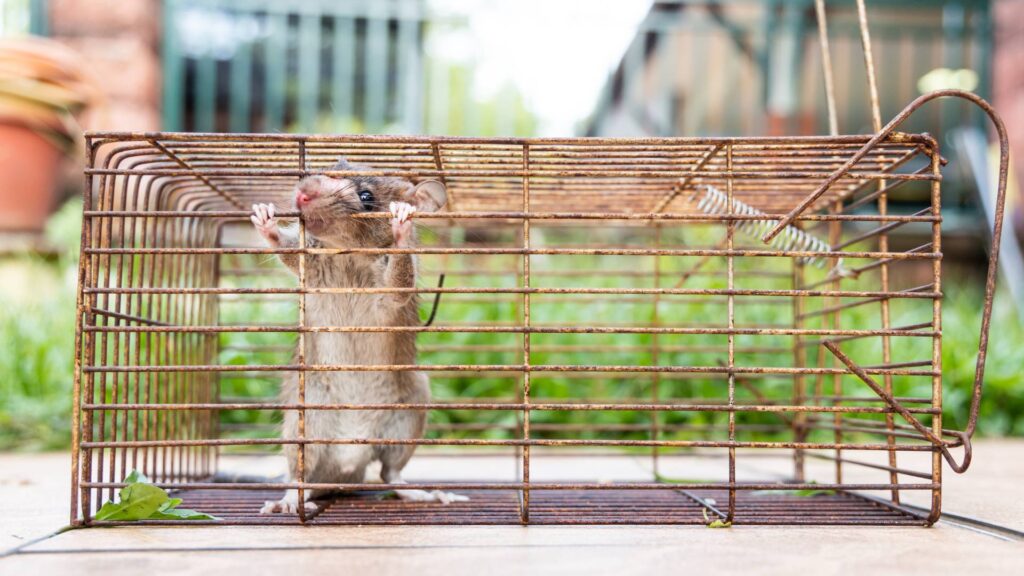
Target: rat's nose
(305,195)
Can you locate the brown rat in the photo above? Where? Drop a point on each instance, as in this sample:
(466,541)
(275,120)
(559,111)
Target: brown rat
(326,205)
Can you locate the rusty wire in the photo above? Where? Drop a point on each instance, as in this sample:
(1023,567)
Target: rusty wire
(164,257)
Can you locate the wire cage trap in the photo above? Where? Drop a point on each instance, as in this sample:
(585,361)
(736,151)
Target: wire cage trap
(728,316)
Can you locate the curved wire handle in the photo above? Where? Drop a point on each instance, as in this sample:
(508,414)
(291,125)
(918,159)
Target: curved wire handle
(993,263)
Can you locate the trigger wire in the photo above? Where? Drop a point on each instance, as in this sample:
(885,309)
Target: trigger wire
(437,300)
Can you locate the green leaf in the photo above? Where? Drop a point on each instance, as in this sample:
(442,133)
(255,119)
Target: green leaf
(172,503)
(136,502)
(140,500)
(136,476)
(169,511)
(180,514)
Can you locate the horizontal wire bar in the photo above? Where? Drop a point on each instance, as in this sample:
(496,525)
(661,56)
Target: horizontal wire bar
(513,486)
(900,141)
(847,333)
(491,368)
(876,231)
(528,252)
(667,174)
(879,298)
(510,442)
(513,406)
(437,348)
(911,329)
(239,214)
(909,293)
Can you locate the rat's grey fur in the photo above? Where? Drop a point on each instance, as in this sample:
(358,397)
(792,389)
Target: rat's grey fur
(328,225)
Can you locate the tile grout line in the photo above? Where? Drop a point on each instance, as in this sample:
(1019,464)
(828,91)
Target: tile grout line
(21,547)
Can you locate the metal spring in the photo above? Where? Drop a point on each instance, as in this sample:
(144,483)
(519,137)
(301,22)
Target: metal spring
(715,202)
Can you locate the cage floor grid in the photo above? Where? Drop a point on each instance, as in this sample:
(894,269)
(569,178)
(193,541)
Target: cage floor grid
(548,507)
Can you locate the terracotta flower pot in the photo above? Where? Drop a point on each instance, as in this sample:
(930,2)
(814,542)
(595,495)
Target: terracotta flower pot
(29,167)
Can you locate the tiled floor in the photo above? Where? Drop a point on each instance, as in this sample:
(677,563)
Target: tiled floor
(34,491)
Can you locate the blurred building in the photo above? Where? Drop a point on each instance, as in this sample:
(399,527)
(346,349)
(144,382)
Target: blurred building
(754,67)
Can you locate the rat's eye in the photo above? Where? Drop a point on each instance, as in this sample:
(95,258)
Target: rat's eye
(366,197)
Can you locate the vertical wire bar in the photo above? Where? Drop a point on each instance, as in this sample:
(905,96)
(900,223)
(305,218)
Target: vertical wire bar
(213,384)
(162,378)
(144,305)
(151,423)
(936,340)
(139,454)
(114,304)
(185,349)
(301,457)
(83,310)
(520,379)
(655,348)
(799,422)
(104,280)
(198,238)
(525,510)
(175,354)
(883,238)
(731,279)
(122,305)
(835,230)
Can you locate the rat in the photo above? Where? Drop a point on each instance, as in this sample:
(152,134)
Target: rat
(326,205)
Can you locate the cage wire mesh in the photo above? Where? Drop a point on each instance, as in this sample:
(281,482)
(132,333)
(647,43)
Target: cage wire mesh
(604,298)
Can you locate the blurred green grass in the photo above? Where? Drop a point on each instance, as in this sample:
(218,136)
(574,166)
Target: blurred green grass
(36,337)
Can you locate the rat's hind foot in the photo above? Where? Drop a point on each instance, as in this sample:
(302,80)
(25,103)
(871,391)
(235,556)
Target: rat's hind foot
(265,222)
(287,505)
(394,478)
(432,496)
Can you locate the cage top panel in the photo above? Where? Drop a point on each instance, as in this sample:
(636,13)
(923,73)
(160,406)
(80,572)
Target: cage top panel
(603,175)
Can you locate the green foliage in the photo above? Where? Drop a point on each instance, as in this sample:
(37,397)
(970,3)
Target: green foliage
(37,331)
(37,328)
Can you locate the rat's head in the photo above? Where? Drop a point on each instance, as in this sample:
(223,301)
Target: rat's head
(327,204)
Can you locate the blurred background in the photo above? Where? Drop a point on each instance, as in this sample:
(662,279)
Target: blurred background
(476,68)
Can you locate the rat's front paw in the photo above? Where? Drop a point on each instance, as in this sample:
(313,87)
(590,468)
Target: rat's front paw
(401,224)
(265,222)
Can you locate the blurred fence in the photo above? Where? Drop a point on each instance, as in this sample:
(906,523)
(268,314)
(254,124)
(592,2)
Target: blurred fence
(317,66)
(277,65)
(753,67)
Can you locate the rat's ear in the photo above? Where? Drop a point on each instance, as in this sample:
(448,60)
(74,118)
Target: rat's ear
(428,196)
(341,164)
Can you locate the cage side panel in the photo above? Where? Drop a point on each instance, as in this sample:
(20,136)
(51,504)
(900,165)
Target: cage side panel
(602,297)
(133,302)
